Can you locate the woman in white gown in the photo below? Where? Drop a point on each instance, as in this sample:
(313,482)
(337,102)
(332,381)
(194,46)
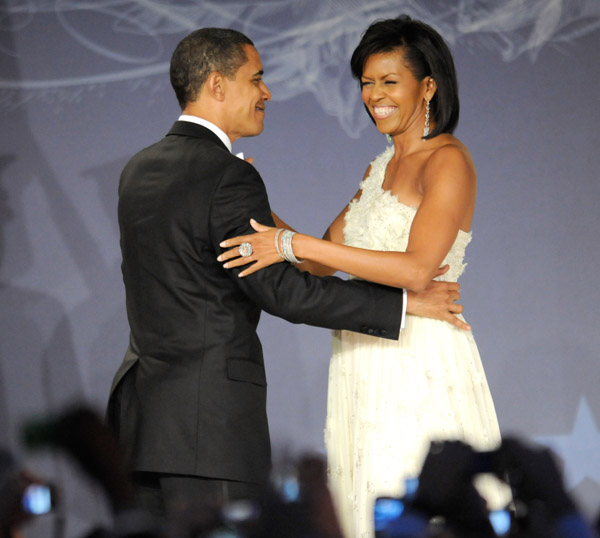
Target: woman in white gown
(412,214)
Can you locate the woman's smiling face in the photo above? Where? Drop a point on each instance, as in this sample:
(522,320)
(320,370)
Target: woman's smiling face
(391,93)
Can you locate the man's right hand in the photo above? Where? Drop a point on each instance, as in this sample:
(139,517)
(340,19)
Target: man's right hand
(437,301)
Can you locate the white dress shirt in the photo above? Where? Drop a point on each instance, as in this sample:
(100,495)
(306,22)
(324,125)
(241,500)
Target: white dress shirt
(212,127)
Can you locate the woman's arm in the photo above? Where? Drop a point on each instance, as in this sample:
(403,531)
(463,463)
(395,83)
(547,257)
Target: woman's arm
(449,187)
(314,268)
(335,233)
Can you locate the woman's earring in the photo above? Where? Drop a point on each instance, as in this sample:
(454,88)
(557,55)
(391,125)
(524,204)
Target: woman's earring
(388,138)
(427,116)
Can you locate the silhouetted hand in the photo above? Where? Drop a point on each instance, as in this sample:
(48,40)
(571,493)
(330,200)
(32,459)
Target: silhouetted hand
(534,476)
(312,475)
(446,489)
(81,432)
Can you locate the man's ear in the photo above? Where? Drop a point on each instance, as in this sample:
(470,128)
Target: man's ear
(215,85)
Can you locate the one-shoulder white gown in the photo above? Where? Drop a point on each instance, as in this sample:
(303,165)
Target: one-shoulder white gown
(388,399)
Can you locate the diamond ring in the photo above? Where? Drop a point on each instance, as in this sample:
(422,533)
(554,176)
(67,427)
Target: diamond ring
(245,250)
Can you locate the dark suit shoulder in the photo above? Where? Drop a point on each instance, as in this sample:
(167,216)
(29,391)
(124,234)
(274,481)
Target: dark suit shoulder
(238,196)
(179,157)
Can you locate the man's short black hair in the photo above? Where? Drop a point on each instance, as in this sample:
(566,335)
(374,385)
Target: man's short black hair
(202,52)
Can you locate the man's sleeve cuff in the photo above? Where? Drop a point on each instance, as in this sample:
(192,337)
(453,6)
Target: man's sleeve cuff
(403,318)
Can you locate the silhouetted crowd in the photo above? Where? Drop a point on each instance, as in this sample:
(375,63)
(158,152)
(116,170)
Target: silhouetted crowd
(443,503)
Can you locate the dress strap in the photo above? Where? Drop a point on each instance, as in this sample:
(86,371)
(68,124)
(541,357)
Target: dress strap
(378,166)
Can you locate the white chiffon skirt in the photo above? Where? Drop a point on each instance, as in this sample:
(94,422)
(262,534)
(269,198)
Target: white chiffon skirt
(388,399)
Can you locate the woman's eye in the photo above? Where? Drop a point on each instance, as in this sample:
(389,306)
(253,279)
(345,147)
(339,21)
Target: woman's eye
(365,83)
(390,82)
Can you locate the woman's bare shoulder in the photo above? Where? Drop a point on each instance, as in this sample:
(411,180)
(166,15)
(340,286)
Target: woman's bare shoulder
(450,152)
(450,163)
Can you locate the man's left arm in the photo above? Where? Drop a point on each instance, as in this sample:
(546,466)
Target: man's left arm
(281,289)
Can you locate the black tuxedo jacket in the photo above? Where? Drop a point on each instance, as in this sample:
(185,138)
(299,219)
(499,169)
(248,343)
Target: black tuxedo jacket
(196,398)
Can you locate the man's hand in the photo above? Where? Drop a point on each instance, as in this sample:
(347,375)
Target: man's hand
(437,301)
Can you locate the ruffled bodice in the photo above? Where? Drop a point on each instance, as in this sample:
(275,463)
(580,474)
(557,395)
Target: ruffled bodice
(379,221)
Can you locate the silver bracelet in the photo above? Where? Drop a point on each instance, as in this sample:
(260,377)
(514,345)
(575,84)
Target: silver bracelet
(277,234)
(286,247)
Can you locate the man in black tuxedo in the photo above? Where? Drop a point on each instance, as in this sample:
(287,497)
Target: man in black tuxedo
(189,401)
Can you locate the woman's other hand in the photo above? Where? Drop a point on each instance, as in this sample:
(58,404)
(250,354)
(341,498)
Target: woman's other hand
(263,254)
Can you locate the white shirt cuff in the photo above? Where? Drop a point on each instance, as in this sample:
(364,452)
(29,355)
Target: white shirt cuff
(403,318)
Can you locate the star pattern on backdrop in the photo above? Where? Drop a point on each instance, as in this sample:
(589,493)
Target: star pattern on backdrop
(579,449)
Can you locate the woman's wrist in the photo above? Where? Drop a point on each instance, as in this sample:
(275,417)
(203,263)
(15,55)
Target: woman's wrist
(284,246)
(299,246)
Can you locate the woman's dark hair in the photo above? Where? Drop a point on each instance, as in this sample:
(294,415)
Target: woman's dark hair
(426,54)
(200,53)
